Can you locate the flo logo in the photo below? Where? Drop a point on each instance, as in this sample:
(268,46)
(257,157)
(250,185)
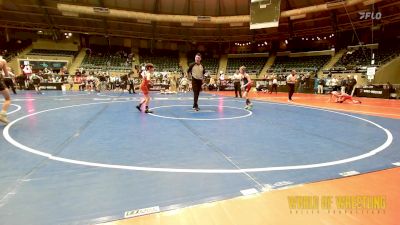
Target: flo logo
(370,15)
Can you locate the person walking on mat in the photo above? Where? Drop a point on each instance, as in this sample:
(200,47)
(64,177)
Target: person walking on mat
(197,71)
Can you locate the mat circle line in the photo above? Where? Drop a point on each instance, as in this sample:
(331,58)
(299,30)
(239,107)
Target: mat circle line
(372,152)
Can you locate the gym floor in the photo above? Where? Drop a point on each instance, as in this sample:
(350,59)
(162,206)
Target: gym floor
(88,158)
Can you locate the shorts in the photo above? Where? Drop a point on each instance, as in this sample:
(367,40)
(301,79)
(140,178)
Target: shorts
(248,88)
(346,97)
(2,85)
(144,89)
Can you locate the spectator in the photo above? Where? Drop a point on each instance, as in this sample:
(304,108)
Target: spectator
(321,84)
(274,85)
(351,83)
(236,83)
(291,81)
(185,84)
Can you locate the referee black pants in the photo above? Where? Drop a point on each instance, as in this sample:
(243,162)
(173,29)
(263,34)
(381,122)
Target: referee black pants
(196,86)
(237,89)
(291,90)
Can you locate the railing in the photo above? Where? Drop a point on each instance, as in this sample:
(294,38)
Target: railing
(389,58)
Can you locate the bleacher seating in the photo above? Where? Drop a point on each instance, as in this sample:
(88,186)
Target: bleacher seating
(361,57)
(253,65)
(111,59)
(304,63)
(13,48)
(211,65)
(163,60)
(52,52)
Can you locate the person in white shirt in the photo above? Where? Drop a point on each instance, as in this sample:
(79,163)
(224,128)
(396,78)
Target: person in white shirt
(212,85)
(274,84)
(334,84)
(184,83)
(27,70)
(236,83)
(291,81)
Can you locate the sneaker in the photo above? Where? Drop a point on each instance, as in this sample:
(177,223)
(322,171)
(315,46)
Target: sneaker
(196,109)
(249,107)
(3,118)
(148,111)
(138,108)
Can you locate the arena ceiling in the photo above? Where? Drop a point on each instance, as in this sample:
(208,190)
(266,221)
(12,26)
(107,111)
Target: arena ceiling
(298,18)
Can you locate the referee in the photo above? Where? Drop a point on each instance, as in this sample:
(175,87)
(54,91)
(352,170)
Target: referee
(197,71)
